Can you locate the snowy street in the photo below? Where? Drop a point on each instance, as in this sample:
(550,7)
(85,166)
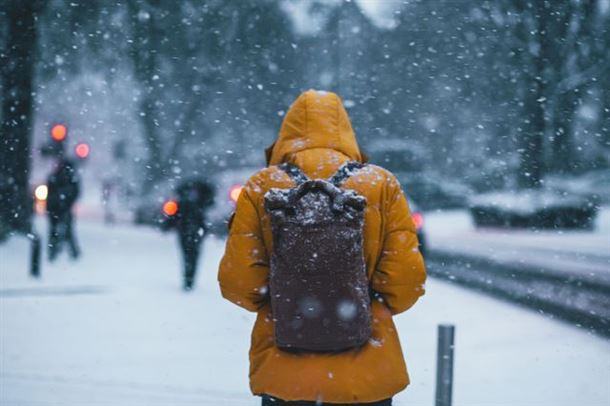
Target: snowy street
(115,329)
(566,252)
(562,272)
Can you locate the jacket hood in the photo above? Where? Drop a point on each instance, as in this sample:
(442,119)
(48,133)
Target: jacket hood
(317,119)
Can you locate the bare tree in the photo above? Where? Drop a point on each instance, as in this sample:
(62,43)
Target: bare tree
(18,88)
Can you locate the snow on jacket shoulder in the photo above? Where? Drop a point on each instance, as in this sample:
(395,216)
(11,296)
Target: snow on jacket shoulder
(317,136)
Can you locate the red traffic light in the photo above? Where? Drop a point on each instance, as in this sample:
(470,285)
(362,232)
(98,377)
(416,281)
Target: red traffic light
(59,132)
(170,208)
(82,150)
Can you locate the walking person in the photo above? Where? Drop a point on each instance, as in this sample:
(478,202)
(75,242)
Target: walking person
(323,248)
(109,191)
(63,190)
(189,220)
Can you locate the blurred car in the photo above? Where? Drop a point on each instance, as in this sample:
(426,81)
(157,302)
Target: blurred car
(397,155)
(434,192)
(149,213)
(405,159)
(418,220)
(227,185)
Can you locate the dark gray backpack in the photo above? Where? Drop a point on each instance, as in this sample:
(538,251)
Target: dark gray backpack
(318,285)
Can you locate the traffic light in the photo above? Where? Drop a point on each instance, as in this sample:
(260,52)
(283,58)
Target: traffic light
(41,192)
(59,132)
(82,150)
(170,208)
(40,198)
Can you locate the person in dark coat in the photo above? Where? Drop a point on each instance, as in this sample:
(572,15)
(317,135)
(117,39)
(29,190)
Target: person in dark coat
(63,191)
(194,198)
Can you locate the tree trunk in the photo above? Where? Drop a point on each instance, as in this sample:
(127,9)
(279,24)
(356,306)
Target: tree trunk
(144,55)
(532,143)
(155,166)
(562,148)
(605,115)
(18,77)
(530,171)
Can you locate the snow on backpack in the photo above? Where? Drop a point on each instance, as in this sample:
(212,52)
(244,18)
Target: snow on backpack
(318,286)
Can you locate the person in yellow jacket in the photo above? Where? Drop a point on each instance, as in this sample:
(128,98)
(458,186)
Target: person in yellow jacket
(317,136)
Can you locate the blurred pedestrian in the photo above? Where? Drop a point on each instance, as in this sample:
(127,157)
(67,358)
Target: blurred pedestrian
(189,220)
(324,286)
(63,191)
(108,196)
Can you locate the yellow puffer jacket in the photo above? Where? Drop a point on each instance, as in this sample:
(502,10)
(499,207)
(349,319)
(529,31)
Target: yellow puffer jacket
(317,136)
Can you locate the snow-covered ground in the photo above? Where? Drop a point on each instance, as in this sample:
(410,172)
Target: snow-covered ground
(584,252)
(115,329)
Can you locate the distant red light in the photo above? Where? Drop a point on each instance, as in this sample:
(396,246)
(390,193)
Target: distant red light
(234,192)
(59,132)
(82,150)
(170,208)
(418,219)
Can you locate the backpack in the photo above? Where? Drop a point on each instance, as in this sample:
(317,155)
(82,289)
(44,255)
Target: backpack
(318,287)
(64,188)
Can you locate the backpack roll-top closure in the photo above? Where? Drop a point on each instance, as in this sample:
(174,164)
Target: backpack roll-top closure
(341,202)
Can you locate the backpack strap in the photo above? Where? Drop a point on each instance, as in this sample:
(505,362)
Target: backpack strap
(345,171)
(295,173)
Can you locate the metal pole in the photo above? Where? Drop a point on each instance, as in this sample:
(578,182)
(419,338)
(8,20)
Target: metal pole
(444,365)
(35,254)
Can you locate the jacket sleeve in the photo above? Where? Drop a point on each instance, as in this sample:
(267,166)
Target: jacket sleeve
(244,268)
(400,273)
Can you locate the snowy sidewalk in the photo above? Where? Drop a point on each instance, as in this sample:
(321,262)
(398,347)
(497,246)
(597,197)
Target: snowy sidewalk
(114,329)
